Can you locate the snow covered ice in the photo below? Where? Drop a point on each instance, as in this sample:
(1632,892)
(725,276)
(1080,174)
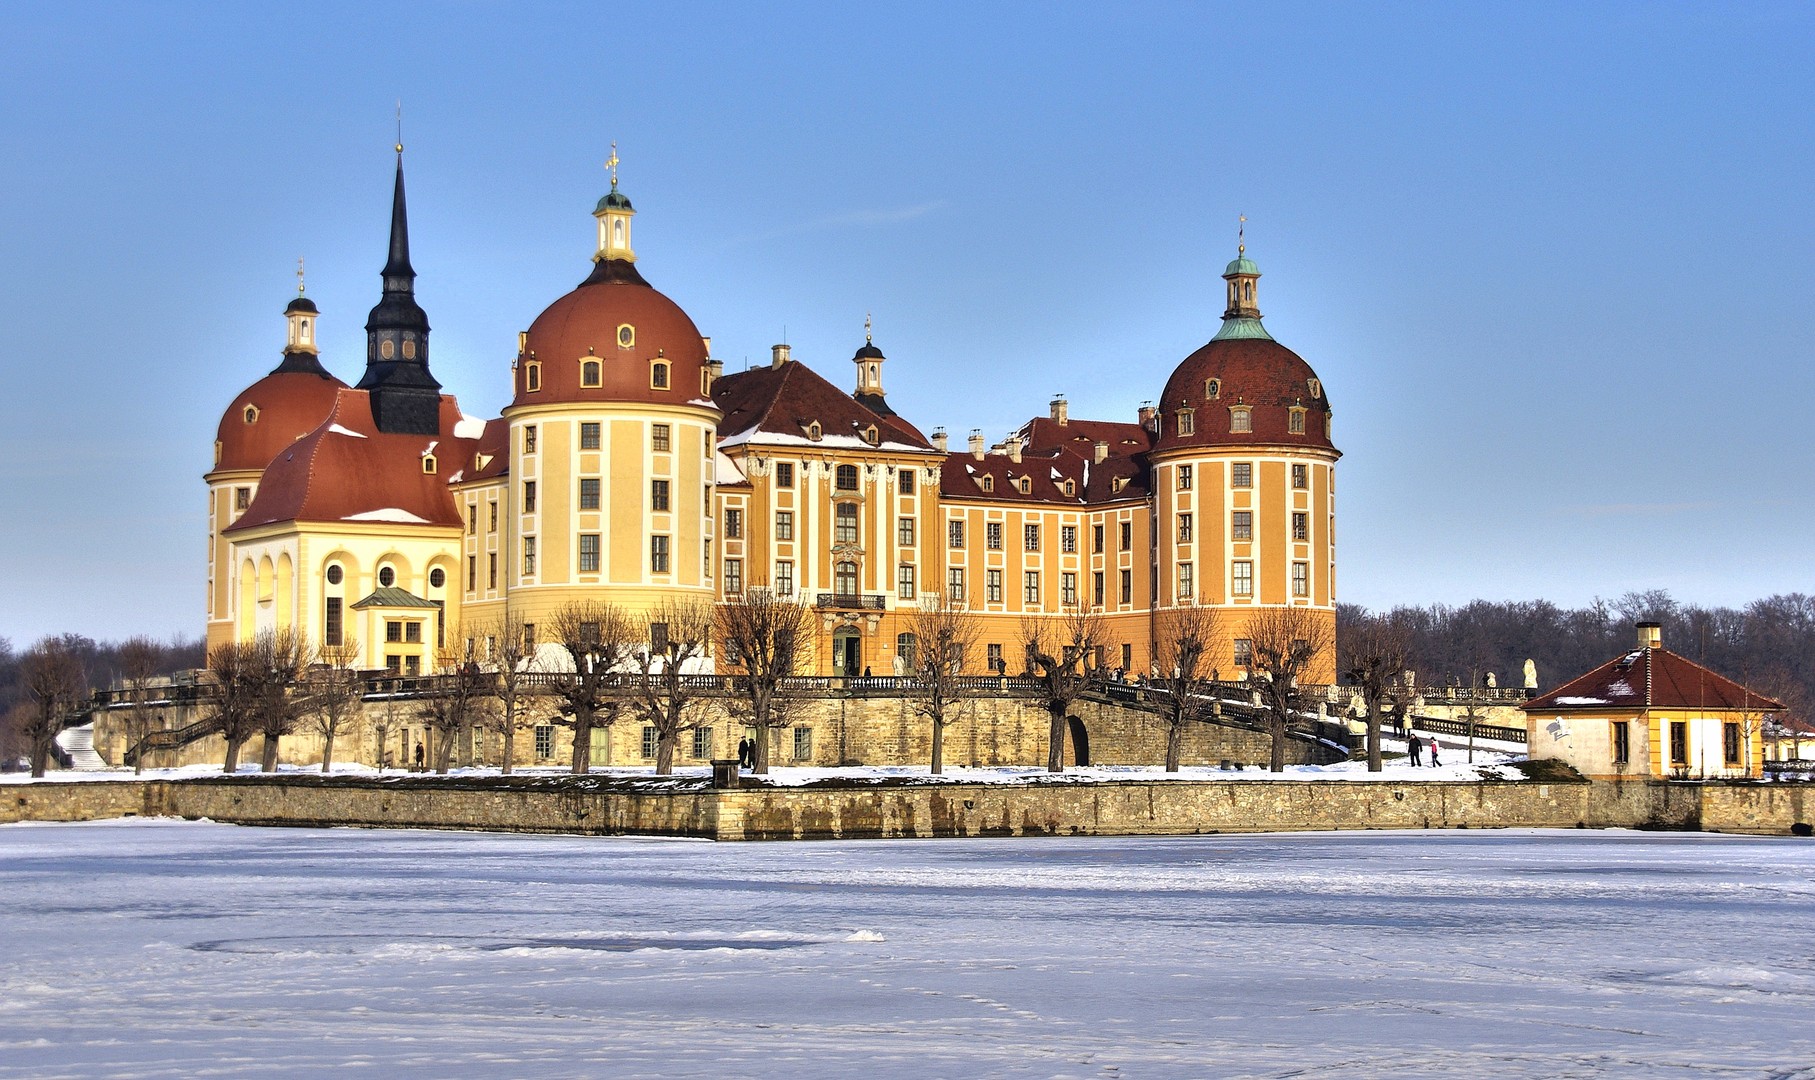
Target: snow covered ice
(163,949)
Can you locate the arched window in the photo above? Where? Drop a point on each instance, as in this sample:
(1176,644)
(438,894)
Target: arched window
(532,377)
(847,478)
(589,373)
(989,483)
(814,431)
(428,464)
(844,523)
(252,414)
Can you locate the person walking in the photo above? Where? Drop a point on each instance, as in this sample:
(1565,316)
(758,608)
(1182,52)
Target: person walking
(1412,747)
(743,752)
(1433,751)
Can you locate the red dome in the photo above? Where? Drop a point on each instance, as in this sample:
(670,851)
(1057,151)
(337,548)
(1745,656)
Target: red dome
(1257,372)
(617,319)
(274,412)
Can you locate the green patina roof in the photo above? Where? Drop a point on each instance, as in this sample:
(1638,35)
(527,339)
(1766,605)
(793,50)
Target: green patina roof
(1242,327)
(394,597)
(613,200)
(1241,265)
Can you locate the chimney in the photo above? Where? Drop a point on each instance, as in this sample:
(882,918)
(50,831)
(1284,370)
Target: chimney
(1102,451)
(1061,413)
(939,439)
(1013,445)
(715,369)
(1147,414)
(977,446)
(778,355)
(1651,635)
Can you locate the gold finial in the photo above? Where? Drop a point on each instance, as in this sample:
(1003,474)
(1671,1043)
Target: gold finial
(612,164)
(400,125)
(867,340)
(299,275)
(1241,235)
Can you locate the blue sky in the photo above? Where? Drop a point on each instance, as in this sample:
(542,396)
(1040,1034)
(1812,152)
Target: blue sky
(1552,261)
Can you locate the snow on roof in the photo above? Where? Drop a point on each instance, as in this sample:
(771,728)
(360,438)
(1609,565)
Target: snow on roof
(389,513)
(336,429)
(1583,701)
(755,437)
(468,428)
(725,471)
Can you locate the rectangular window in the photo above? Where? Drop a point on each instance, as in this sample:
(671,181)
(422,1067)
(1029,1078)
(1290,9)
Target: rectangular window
(472,520)
(844,523)
(493,526)
(803,744)
(1068,539)
(1301,476)
(529,496)
(1679,742)
(658,554)
(992,535)
(1301,525)
(784,578)
(1301,579)
(529,556)
(904,581)
(844,478)
(1622,742)
(1295,424)
(784,524)
(1186,424)
(1244,651)
(1127,536)
(491,570)
(659,438)
(904,481)
(393,664)
(1096,539)
(529,637)
(1729,740)
(242,498)
(1030,538)
(1241,525)
(992,586)
(1241,578)
(1096,588)
(393,631)
(784,474)
(652,741)
(545,733)
(1184,478)
(1068,589)
(734,577)
(954,534)
(1186,587)
(589,493)
(658,495)
(702,744)
(330,627)
(472,573)
(1184,528)
(412,664)
(1030,587)
(994,658)
(954,584)
(589,435)
(412,633)
(734,524)
(589,553)
(1128,586)
(904,532)
(529,439)
(1241,474)
(1127,656)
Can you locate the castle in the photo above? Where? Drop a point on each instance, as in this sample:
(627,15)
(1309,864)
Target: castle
(630,468)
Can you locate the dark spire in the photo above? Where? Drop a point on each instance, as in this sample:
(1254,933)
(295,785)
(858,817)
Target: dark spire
(406,398)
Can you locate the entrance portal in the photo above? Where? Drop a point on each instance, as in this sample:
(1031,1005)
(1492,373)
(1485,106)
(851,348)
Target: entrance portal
(847,652)
(1080,741)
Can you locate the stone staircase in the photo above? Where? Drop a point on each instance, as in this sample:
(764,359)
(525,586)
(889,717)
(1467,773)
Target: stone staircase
(79,744)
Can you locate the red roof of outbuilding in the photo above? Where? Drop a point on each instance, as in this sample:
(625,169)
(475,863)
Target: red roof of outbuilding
(1651,679)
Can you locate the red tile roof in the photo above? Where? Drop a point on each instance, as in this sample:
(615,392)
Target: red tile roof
(1256,372)
(1651,679)
(782,401)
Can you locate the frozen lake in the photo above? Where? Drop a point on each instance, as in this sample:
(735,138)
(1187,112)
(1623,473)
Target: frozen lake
(161,949)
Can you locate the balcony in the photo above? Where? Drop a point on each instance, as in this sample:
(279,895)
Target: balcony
(849,602)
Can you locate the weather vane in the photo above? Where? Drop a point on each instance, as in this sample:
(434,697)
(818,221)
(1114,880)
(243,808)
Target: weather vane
(612,163)
(867,340)
(299,275)
(1241,234)
(400,125)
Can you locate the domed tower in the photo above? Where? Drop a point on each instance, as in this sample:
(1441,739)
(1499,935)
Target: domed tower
(1244,476)
(269,415)
(612,441)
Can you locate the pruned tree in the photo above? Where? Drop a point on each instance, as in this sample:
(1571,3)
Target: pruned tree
(332,694)
(945,633)
(1375,656)
(454,701)
(140,659)
(1286,643)
(512,659)
(766,635)
(1062,659)
(680,634)
(274,665)
(54,680)
(1184,637)
(599,640)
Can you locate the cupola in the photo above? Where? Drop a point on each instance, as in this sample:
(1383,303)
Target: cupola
(1241,311)
(614,213)
(868,359)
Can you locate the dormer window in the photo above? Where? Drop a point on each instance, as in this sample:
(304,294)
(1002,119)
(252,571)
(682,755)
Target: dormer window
(1295,421)
(1241,419)
(870,436)
(590,373)
(1316,386)
(1026,485)
(428,464)
(989,483)
(627,336)
(815,432)
(1213,388)
(252,414)
(658,374)
(532,377)
(1071,488)
(1186,425)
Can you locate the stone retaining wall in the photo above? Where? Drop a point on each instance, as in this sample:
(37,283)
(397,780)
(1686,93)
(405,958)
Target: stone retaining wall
(1123,808)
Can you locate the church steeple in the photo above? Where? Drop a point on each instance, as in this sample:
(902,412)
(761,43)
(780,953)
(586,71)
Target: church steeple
(405,398)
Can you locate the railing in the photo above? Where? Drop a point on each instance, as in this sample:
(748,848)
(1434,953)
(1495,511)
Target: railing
(172,739)
(849,601)
(1462,695)
(1460,728)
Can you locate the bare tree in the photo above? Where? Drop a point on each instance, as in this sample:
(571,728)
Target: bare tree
(1375,656)
(332,694)
(1287,641)
(276,662)
(230,663)
(52,675)
(455,699)
(1062,658)
(766,635)
(1184,636)
(598,638)
(680,633)
(513,659)
(945,633)
(140,658)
